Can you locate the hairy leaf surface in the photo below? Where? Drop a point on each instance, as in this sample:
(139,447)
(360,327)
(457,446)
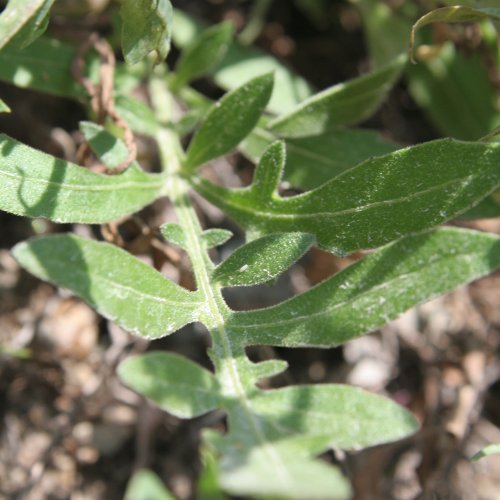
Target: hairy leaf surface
(229,121)
(312,161)
(342,104)
(36,184)
(263,259)
(147,27)
(116,284)
(378,201)
(172,382)
(373,291)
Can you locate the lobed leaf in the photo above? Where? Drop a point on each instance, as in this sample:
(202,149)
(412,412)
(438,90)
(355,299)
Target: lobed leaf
(263,259)
(36,184)
(172,382)
(229,121)
(314,160)
(118,285)
(147,27)
(343,104)
(373,291)
(206,51)
(23,21)
(378,201)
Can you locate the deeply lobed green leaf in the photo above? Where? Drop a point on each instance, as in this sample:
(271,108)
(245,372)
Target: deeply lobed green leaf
(378,201)
(36,184)
(373,291)
(118,285)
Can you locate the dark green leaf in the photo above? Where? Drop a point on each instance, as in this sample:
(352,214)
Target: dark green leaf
(373,291)
(342,104)
(23,21)
(172,382)
(262,260)
(146,27)
(486,209)
(118,285)
(312,161)
(229,121)
(204,53)
(378,201)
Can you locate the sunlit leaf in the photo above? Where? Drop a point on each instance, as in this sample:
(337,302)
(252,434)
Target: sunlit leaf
(262,260)
(115,283)
(373,291)
(3,107)
(492,449)
(343,104)
(380,200)
(229,121)
(23,21)
(146,485)
(36,184)
(172,382)
(146,27)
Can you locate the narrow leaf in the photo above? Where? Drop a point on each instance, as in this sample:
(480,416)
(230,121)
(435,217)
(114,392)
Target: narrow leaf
(174,233)
(312,161)
(139,117)
(215,237)
(492,449)
(262,260)
(455,14)
(204,53)
(174,383)
(147,27)
(342,104)
(3,107)
(374,290)
(351,417)
(229,121)
(116,284)
(146,485)
(22,21)
(36,184)
(376,202)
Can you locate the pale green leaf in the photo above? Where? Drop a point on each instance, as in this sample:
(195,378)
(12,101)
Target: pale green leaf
(174,233)
(455,14)
(378,201)
(22,21)
(229,121)
(492,449)
(242,63)
(139,117)
(146,27)
(206,52)
(263,259)
(208,482)
(342,104)
(3,107)
(374,290)
(312,161)
(146,485)
(36,184)
(172,382)
(115,283)
(215,237)
(110,150)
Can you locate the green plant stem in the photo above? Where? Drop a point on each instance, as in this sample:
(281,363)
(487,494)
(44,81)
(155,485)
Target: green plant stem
(255,23)
(232,367)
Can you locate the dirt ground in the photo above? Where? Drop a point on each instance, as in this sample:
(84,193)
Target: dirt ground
(70,430)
